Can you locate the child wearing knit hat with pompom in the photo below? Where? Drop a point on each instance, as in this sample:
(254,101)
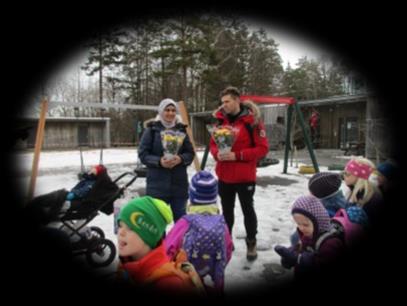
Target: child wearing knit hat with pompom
(142,224)
(316,247)
(203,232)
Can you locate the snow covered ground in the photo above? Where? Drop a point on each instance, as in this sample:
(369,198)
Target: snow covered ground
(275,192)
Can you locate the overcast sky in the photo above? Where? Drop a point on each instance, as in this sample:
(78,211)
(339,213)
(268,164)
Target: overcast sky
(291,49)
(292,45)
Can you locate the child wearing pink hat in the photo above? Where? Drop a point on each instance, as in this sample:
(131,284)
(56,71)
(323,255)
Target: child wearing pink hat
(363,193)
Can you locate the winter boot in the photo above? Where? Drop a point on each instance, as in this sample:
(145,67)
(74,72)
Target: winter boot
(251,249)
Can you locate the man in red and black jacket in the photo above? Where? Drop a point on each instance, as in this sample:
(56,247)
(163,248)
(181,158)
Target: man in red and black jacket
(236,170)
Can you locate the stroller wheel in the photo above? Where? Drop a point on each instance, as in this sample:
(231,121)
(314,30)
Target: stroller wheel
(101,254)
(97,232)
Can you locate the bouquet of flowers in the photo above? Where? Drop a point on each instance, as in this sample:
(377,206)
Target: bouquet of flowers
(172,142)
(224,137)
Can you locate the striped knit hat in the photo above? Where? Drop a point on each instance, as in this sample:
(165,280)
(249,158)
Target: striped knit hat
(313,209)
(324,184)
(203,188)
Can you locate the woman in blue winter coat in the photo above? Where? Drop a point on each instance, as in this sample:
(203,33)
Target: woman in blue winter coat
(167,177)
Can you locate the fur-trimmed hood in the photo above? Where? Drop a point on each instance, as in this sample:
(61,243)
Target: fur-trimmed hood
(250,105)
(146,123)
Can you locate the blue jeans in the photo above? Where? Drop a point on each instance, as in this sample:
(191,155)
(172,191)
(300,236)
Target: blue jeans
(178,206)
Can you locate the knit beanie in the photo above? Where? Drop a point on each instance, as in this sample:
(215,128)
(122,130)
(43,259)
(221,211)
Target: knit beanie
(324,184)
(148,217)
(313,209)
(388,170)
(203,188)
(100,169)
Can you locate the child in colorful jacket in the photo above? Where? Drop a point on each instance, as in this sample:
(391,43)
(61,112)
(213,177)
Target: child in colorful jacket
(203,232)
(315,248)
(142,253)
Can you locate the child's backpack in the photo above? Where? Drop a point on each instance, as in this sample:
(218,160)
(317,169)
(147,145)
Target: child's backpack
(205,245)
(350,232)
(184,269)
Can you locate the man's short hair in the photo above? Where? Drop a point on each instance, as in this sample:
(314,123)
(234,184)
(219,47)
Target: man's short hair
(233,91)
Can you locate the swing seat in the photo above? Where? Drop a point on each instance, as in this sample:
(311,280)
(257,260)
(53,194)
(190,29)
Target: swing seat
(264,162)
(306,169)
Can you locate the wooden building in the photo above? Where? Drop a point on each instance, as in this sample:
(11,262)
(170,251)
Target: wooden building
(356,121)
(68,132)
(344,121)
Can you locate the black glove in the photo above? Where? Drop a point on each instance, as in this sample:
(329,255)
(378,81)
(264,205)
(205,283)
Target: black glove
(307,258)
(305,263)
(288,257)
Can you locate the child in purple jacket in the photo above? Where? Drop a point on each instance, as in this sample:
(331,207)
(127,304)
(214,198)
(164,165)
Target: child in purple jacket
(318,245)
(203,233)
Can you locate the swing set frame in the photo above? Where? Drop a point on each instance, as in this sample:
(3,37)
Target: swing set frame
(292,106)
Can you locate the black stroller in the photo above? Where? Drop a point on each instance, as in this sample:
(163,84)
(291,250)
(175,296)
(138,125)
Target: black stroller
(99,251)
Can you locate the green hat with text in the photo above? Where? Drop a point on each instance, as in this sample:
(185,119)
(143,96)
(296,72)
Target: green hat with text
(148,217)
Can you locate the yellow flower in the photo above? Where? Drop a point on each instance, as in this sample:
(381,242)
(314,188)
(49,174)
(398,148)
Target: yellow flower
(222,132)
(169,138)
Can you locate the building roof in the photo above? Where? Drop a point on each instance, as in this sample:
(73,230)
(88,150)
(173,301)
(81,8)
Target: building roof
(325,101)
(335,100)
(67,119)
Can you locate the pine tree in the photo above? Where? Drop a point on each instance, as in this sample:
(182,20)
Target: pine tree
(264,66)
(103,52)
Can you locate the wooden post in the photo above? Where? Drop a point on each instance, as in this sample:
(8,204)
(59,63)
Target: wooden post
(184,116)
(38,145)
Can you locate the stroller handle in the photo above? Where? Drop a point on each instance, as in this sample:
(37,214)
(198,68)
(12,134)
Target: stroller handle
(129,182)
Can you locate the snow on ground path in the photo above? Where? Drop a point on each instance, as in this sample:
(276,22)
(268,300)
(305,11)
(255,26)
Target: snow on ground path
(275,192)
